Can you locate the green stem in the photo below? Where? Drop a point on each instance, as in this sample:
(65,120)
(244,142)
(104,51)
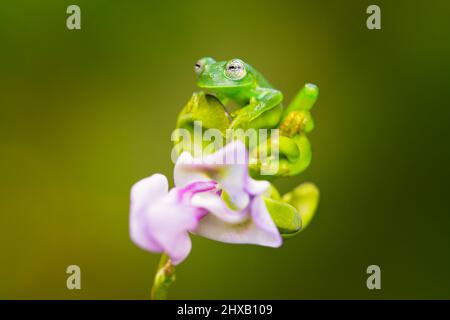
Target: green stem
(165,276)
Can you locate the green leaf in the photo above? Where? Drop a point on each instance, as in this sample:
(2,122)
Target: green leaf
(285,216)
(305,199)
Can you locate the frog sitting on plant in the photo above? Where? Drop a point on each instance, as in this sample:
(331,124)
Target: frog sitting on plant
(227,201)
(260,106)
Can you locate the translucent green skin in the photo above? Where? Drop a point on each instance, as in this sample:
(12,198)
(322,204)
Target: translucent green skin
(253,94)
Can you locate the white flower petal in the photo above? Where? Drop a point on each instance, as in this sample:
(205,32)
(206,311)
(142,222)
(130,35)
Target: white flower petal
(182,250)
(256,187)
(261,217)
(148,189)
(216,206)
(160,220)
(139,234)
(228,167)
(186,172)
(232,154)
(258,228)
(169,223)
(143,193)
(247,232)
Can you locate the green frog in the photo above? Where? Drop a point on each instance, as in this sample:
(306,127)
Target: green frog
(236,81)
(260,106)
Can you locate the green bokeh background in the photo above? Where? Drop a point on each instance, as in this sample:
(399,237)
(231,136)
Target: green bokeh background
(85,114)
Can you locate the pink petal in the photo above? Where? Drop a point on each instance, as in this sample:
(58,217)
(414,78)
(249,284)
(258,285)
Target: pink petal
(234,153)
(182,250)
(227,166)
(160,220)
(169,224)
(142,194)
(256,187)
(233,159)
(186,172)
(258,229)
(217,206)
(261,218)
(143,191)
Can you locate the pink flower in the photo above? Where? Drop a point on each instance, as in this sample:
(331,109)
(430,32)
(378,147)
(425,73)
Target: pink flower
(237,213)
(214,197)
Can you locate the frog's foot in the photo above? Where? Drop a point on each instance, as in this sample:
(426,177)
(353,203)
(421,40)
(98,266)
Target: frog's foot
(296,122)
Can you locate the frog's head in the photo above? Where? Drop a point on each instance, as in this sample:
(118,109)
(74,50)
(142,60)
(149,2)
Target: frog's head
(217,75)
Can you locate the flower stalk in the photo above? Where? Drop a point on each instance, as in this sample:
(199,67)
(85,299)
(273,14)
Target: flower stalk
(165,276)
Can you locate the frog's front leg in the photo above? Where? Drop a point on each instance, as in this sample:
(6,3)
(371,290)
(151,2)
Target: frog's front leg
(263,101)
(222,98)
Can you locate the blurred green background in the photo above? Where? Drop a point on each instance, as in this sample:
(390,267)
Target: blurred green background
(85,114)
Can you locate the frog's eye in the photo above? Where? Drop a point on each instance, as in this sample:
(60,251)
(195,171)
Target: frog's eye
(198,67)
(235,70)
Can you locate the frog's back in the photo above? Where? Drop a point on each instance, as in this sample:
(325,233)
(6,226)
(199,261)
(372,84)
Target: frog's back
(262,82)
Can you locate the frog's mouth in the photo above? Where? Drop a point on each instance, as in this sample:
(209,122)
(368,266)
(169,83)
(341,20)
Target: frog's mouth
(221,85)
(216,86)
(210,81)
